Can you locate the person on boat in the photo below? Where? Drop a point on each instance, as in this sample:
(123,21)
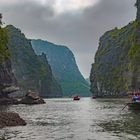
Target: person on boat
(135,98)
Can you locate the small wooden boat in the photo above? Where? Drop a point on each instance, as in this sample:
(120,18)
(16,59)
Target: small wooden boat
(134,105)
(76,97)
(93,97)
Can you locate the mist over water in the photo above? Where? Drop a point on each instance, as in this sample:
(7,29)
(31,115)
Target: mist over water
(65,119)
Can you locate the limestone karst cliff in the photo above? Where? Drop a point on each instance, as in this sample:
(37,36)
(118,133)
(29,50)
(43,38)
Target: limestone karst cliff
(31,71)
(64,67)
(116,69)
(7,78)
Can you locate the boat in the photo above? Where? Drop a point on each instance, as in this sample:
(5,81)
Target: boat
(135,100)
(134,105)
(93,97)
(76,97)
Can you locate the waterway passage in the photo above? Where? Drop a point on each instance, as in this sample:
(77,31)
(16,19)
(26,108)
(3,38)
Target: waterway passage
(65,119)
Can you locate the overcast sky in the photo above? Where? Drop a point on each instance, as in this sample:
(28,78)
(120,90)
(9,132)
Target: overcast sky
(77,24)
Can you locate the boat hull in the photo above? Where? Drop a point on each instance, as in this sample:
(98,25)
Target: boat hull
(134,106)
(76,99)
(93,97)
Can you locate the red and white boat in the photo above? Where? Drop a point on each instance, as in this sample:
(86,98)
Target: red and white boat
(76,97)
(93,97)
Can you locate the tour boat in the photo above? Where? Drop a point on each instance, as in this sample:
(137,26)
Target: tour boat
(76,97)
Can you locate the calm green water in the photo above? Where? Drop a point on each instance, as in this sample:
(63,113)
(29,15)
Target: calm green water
(87,119)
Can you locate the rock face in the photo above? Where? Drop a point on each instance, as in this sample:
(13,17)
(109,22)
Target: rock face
(7,79)
(32,98)
(8,101)
(10,119)
(6,75)
(64,67)
(31,71)
(138,11)
(7,84)
(88,80)
(117,67)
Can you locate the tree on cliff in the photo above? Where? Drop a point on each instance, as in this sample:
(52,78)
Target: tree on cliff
(4,52)
(0,19)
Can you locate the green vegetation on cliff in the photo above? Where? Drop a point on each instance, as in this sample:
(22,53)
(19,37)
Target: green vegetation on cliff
(31,71)
(4,52)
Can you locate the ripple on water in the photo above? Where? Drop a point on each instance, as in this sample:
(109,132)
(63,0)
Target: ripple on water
(64,119)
